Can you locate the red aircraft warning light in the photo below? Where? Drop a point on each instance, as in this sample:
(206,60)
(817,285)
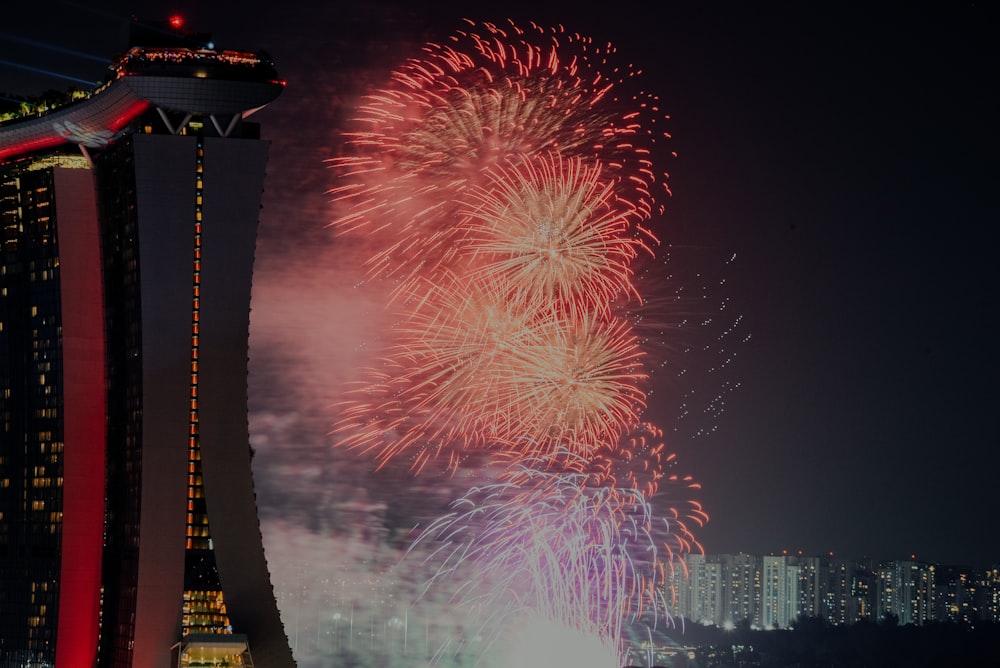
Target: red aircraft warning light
(176,21)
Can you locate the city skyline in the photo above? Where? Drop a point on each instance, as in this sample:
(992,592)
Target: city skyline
(773,592)
(842,161)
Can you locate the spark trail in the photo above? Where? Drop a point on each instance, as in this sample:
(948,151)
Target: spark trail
(565,546)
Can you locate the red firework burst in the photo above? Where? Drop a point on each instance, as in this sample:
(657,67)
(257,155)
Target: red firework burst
(472,371)
(465,106)
(551,228)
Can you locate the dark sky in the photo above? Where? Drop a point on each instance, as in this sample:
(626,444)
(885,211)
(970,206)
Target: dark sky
(845,158)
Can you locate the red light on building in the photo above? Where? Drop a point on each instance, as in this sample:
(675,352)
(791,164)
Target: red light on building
(176,22)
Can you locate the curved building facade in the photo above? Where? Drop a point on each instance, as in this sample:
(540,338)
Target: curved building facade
(128,524)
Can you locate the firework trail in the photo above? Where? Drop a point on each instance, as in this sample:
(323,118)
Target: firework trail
(565,546)
(640,464)
(504,181)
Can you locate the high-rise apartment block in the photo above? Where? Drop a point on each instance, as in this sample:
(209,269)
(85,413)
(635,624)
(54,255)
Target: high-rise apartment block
(906,589)
(699,590)
(741,586)
(128,521)
(781,602)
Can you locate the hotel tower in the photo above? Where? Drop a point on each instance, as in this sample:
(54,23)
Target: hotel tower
(129,533)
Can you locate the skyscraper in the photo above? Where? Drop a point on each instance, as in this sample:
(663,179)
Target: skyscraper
(128,523)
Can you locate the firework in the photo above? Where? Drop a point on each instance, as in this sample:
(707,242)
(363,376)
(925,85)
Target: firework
(472,371)
(433,396)
(465,106)
(551,228)
(576,385)
(640,464)
(554,545)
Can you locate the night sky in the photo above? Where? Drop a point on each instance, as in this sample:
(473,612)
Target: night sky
(834,189)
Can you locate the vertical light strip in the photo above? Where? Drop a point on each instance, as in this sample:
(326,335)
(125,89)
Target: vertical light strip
(204,607)
(194,454)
